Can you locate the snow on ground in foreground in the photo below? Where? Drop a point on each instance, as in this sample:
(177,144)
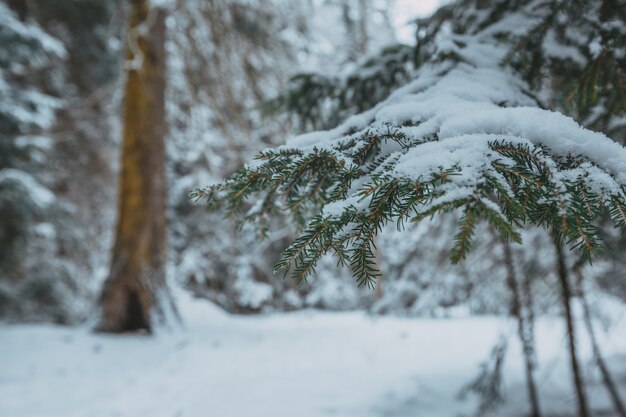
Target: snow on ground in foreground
(304,364)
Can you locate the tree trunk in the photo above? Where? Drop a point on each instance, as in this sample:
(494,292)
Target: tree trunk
(354,18)
(136,287)
(607,379)
(524,330)
(581,397)
(363,35)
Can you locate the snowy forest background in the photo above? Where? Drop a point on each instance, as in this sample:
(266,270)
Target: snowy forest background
(492,334)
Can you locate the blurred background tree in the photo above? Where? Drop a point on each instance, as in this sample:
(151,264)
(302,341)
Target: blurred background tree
(135,291)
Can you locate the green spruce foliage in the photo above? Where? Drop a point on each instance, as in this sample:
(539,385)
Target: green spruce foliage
(318,101)
(345,186)
(520,185)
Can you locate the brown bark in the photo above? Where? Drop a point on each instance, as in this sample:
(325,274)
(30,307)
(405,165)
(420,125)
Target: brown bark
(581,396)
(136,288)
(524,330)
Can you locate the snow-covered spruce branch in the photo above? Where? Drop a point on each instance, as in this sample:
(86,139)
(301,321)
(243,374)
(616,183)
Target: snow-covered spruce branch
(512,182)
(464,135)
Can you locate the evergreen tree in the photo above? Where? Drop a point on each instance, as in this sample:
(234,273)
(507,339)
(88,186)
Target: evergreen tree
(55,140)
(466,136)
(27,51)
(532,172)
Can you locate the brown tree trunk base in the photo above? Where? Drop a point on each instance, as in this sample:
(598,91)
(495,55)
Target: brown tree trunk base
(126,307)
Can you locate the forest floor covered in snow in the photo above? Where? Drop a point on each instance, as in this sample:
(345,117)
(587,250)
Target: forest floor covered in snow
(304,364)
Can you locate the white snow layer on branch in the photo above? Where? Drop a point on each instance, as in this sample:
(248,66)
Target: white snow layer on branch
(162,4)
(451,112)
(30,31)
(41,196)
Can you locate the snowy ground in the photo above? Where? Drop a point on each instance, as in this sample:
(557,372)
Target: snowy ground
(304,364)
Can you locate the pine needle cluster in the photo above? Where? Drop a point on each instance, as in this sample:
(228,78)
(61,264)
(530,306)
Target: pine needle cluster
(343,195)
